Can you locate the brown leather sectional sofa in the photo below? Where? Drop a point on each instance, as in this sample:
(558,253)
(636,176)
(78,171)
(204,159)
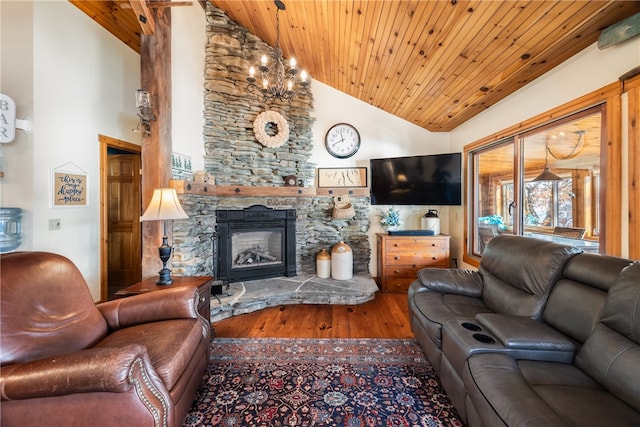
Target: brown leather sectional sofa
(540,335)
(137,361)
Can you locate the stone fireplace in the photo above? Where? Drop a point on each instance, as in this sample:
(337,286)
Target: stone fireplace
(255,243)
(248,173)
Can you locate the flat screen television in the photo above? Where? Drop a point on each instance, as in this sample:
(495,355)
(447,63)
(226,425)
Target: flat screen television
(417,180)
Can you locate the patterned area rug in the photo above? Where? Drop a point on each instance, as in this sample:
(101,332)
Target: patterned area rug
(320,382)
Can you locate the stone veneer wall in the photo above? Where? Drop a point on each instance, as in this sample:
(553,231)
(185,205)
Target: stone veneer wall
(315,230)
(234,157)
(232,153)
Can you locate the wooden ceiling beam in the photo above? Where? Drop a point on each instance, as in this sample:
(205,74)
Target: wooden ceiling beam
(160,4)
(144,16)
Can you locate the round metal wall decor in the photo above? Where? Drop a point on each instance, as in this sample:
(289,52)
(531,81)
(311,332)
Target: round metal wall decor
(260,129)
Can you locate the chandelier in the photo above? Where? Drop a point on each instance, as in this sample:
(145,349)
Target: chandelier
(546,174)
(278,81)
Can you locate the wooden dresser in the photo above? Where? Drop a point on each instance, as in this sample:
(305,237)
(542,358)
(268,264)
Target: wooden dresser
(400,258)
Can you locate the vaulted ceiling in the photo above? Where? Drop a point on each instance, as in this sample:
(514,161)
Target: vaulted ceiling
(434,63)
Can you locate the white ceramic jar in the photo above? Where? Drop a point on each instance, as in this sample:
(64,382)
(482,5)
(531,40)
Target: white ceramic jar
(323,264)
(341,262)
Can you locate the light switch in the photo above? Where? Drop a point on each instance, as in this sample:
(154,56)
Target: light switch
(54,224)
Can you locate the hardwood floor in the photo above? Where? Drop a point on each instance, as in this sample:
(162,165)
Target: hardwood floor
(386,316)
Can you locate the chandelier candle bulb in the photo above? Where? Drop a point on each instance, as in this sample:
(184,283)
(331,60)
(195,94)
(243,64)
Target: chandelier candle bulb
(292,63)
(264,60)
(252,72)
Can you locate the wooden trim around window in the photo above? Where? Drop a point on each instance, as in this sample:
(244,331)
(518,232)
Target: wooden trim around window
(632,87)
(611,203)
(610,94)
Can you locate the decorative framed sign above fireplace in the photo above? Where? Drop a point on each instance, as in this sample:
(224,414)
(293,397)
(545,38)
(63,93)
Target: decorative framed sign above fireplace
(255,243)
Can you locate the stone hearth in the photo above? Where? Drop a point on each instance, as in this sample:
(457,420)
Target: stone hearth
(249,296)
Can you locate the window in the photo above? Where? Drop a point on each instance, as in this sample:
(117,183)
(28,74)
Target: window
(493,190)
(543,183)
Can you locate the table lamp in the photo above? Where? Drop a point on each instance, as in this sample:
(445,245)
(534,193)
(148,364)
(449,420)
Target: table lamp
(164,206)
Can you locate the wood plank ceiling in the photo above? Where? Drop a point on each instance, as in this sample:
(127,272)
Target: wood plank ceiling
(434,63)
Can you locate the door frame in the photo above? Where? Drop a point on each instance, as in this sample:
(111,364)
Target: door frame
(105,143)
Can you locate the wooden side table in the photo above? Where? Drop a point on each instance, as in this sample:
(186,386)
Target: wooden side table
(203,283)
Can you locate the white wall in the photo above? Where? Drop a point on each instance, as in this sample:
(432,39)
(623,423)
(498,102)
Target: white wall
(585,72)
(188,31)
(382,135)
(16,81)
(83,82)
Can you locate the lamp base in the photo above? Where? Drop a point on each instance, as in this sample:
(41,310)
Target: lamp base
(164,277)
(165,253)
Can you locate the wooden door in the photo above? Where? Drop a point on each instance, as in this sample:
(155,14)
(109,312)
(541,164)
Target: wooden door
(123,220)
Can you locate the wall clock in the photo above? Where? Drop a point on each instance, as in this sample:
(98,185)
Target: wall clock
(342,140)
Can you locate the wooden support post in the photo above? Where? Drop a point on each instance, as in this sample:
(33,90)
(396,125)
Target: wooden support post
(155,76)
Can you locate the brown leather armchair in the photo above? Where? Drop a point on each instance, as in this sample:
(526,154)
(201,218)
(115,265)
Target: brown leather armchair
(137,361)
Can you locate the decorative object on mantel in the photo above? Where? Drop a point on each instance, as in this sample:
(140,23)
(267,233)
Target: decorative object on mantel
(290,181)
(342,207)
(164,206)
(146,116)
(203,177)
(341,262)
(391,219)
(342,177)
(277,83)
(323,264)
(263,120)
(181,166)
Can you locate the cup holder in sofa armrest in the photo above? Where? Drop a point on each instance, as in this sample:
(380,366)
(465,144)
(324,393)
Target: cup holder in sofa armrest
(471,326)
(486,339)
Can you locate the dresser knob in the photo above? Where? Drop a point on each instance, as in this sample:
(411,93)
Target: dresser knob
(434,258)
(396,245)
(396,257)
(433,244)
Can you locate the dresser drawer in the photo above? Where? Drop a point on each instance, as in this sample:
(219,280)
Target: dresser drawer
(402,271)
(429,257)
(397,284)
(415,245)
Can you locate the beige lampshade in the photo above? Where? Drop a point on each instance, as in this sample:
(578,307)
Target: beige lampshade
(164,205)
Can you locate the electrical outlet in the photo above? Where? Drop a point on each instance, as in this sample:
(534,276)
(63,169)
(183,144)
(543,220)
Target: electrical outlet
(54,224)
